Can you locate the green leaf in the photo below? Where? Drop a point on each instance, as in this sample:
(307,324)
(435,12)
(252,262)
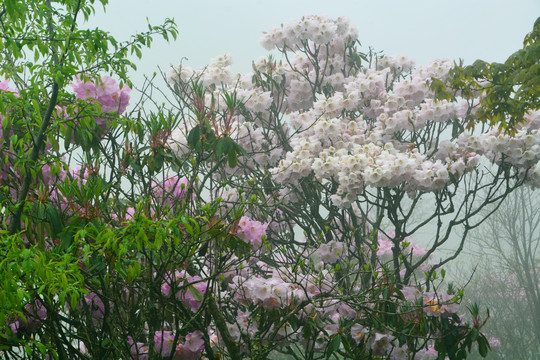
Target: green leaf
(158,161)
(333,346)
(306,331)
(483,346)
(37,111)
(158,241)
(220,147)
(188,226)
(233,160)
(196,293)
(474,334)
(54,218)
(74,300)
(240,150)
(194,136)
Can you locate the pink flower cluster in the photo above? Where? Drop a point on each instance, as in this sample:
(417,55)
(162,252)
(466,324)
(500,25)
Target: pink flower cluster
(251,231)
(331,251)
(106,92)
(190,289)
(35,313)
(4,86)
(171,191)
(93,303)
(139,350)
(188,349)
(406,247)
(272,293)
(433,303)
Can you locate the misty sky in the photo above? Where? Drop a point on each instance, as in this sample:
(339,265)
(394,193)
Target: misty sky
(421,29)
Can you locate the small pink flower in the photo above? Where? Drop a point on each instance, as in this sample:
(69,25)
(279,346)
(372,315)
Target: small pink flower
(188,285)
(163,342)
(494,342)
(139,351)
(4,86)
(172,191)
(194,341)
(251,231)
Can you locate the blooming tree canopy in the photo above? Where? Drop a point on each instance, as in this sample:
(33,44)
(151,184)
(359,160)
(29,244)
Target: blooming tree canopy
(272,213)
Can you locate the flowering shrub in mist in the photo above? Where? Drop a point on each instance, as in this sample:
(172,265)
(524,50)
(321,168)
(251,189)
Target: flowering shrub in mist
(267,214)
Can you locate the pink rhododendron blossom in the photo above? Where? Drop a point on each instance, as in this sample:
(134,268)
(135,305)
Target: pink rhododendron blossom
(494,342)
(436,304)
(358,333)
(380,343)
(127,217)
(95,304)
(193,345)
(428,354)
(4,86)
(139,351)
(190,349)
(189,288)
(171,191)
(35,314)
(400,353)
(163,342)
(346,311)
(251,231)
(106,93)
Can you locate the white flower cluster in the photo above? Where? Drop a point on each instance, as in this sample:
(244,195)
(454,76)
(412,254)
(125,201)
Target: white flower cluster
(438,69)
(217,73)
(399,64)
(331,251)
(318,29)
(374,155)
(380,126)
(521,150)
(255,100)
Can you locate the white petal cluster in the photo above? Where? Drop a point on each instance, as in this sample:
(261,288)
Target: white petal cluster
(180,73)
(378,126)
(217,73)
(251,139)
(255,100)
(521,150)
(438,69)
(331,251)
(401,64)
(318,29)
